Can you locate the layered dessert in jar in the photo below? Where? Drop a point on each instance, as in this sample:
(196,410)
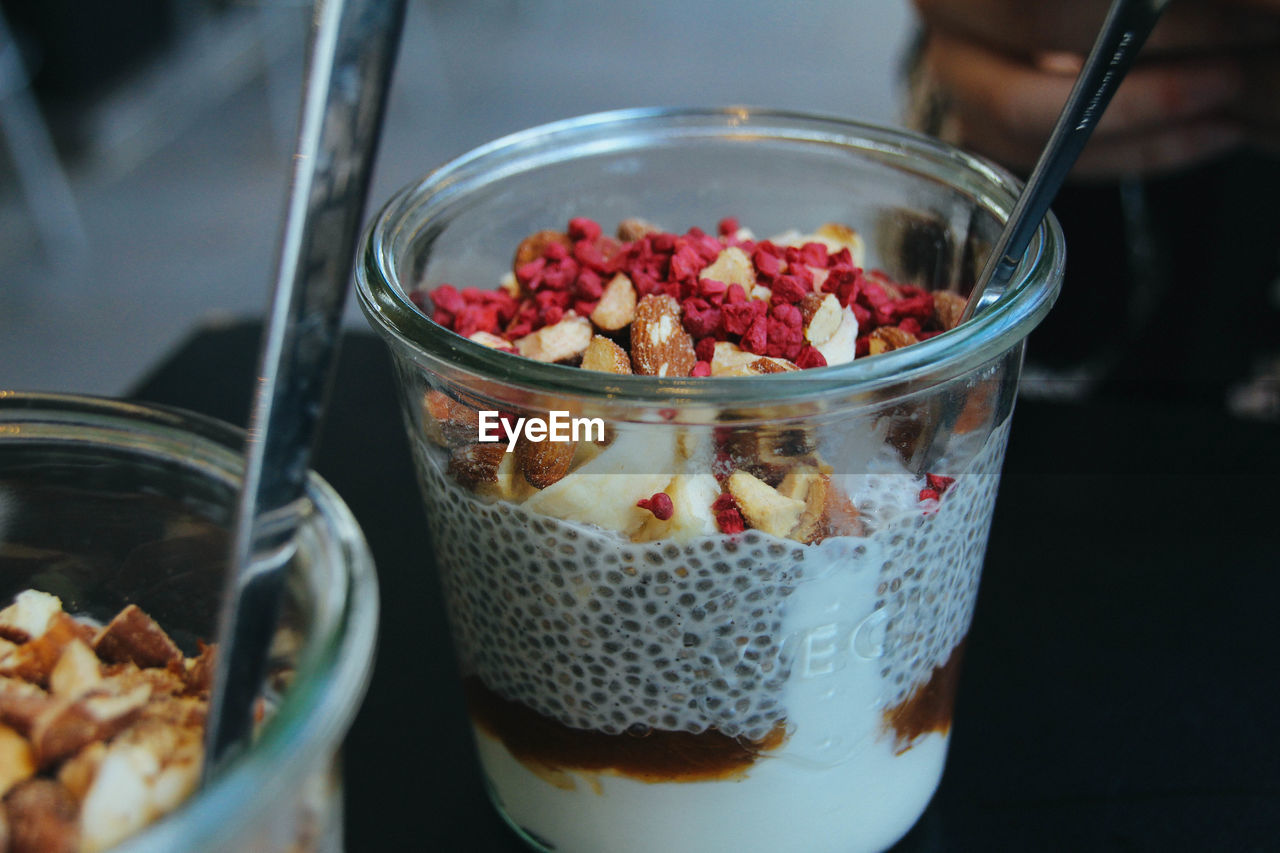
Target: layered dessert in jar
(693,634)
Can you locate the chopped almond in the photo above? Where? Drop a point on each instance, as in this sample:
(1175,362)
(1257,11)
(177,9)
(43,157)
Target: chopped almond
(42,818)
(28,617)
(605,356)
(447,422)
(822,315)
(492,341)
(888,338)
(16,761)
(731,360)
(763,506)
(947,308)
(77,670)
(563,341)
(659,344)
(68,725)
(731,266)
(134,636)
(543,462)
(617,306)
(630,230)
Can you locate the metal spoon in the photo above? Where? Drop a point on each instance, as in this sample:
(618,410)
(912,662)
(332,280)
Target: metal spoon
(1127,26)
(352,53)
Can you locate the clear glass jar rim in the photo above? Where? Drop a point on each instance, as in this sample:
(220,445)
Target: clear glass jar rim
(996,329)
(326,693)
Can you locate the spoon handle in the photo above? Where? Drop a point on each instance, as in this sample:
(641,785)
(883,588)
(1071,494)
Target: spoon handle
(351,56)
(1127,26)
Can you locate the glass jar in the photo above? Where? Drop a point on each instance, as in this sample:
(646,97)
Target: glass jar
(638,683)
(107,503)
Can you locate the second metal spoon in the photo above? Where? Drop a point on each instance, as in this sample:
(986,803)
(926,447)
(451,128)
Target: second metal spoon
(1123,33)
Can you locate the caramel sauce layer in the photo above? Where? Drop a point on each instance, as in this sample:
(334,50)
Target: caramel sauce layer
(929,707)
(548,747)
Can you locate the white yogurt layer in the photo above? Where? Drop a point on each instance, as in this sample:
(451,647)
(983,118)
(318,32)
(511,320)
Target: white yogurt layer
(601,633)
(864,804)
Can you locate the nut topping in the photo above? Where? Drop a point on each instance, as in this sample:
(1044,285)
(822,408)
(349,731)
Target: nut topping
(659,344)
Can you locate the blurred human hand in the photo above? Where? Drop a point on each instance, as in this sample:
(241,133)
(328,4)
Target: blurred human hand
(1207,80)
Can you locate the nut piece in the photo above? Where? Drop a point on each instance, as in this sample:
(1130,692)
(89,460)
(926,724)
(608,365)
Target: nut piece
(135,637)
(492,341)
(763,506)
(822,315)
(532,247)
(21,703)
(68,725)
(487,469)
(447,422)
(42,818)
(947,307)
(731,360)
(28,617)
(564,341)
(659,344)
(76,671)
(842,346)
(758,366)
(888,338)
(16,761)
(731,266)
(617,306)
(476,465)
(827,510)
(605,356)
(630,230)
(34,660)
(543,462)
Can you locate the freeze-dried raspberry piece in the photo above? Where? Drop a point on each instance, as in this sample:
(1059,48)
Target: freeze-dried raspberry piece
(728,517)
(844,284)
(702,323)
(660,505)
(701,368)
(709,289)
(813,255)
(588,285)
(727,227)
(588,255)
(738,317)
(582,228)
(756,339)
(686,263)
(918,306)
(705,349)
(766,260)
(938,482)
(810,357)
(790,288)
(735,295)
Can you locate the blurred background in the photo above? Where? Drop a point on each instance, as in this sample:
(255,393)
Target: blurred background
(145,146)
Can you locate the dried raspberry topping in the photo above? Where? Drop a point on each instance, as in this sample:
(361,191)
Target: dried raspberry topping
(939,483)
(935,486)
(728,517)
(660,505)
(763,317)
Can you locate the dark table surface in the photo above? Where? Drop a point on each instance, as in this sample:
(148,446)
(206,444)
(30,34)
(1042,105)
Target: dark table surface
(1120,688)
